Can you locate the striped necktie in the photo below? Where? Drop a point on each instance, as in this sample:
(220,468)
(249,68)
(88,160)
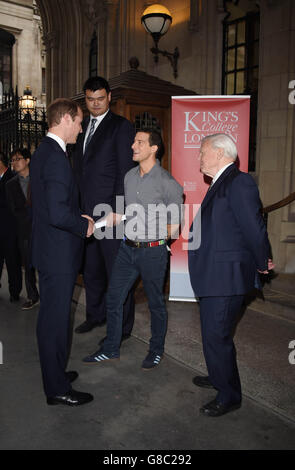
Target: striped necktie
(91,132)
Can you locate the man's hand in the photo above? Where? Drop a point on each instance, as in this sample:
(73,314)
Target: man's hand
(113,219)
(270,266)
(90,229)
(173,231)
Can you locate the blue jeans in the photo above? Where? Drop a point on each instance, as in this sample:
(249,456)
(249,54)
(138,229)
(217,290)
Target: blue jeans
(150,264)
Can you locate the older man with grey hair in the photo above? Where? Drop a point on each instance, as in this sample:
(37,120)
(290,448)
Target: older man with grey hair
(234,248)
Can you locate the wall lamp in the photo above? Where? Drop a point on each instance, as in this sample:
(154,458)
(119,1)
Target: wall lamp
(156,20)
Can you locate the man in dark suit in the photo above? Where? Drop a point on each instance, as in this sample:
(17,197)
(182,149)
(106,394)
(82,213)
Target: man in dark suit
(233,247)
(102,157)
(19,199)
(57,245)
(9,251)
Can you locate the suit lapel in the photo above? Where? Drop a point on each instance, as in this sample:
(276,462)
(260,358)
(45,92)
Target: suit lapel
(54,144)
(7,175)
(97,134)
(20,191)
(17,191)
(210,194)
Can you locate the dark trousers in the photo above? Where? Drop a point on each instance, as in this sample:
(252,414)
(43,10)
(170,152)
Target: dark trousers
(99,260)
(218,318)
(9,252)
(151,265)
(53,324)
(30,273)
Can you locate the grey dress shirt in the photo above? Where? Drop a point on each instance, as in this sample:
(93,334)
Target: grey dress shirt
(152,201)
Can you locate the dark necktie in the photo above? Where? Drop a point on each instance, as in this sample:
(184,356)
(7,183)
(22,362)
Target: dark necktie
(91,132)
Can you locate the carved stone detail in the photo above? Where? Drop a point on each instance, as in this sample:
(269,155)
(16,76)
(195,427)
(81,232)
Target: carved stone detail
(95,11)
(50,40)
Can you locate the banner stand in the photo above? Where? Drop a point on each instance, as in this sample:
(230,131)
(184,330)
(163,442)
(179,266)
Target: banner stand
(193,118)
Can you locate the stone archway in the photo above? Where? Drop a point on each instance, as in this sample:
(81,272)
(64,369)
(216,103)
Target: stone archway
(61,26)
(68,28)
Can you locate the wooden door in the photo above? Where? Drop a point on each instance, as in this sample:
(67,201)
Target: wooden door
(157,118)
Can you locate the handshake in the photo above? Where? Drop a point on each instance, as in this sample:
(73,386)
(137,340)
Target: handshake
(90,229)
(109,221)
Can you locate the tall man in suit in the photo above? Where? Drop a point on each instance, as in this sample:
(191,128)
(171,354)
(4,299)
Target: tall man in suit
(19,199)
(57,246)
(9,251)
(234,246)
(102,157)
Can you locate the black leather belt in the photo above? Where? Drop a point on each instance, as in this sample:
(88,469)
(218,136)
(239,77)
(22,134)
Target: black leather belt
(134,244)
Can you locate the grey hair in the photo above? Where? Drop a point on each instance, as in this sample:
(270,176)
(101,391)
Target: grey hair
(222,141)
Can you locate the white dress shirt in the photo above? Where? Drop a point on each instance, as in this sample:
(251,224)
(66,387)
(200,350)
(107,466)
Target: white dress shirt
(98,120)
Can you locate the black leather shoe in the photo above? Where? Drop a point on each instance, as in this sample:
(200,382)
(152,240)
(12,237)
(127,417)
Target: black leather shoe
(72,375)
(124,338)
(202,382)
(87,326)
(72,398)
(14,298)
(215,409)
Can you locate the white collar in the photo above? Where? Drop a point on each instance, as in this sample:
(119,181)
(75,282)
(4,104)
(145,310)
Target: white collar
(57,139)
(219,173)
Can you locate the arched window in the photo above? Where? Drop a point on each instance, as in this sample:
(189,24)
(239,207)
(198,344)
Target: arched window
(6,42)
(93,56)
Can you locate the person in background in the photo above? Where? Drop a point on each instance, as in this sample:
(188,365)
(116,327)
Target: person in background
(9,251)
(19,200)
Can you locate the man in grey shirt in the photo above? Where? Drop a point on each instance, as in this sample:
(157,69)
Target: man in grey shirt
(153,201)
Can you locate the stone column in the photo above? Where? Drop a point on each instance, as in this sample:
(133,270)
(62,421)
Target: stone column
(52,86)
(112,49)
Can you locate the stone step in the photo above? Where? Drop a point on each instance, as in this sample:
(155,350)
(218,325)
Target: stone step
(283,282)
(276,303)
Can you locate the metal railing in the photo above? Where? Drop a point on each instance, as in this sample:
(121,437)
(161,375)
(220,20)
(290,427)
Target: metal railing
(282,203)
(20,127)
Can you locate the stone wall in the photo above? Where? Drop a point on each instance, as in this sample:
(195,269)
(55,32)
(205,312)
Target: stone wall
(276,125)
(19,19)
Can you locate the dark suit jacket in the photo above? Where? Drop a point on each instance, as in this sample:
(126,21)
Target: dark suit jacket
(234,241)
(8,225)
(58,228)
(19,206)
(100,171)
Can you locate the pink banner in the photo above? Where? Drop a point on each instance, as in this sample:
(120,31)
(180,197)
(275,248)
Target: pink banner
(193,118)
